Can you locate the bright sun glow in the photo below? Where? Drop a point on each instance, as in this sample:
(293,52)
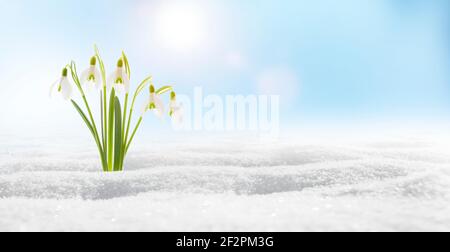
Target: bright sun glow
(180,26)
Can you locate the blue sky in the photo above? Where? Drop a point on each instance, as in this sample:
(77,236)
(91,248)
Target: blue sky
(338,60)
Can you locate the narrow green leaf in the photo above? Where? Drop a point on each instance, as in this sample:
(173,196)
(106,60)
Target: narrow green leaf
(164,90)
(111,129)
(118,137)
(91,129)
(85,119)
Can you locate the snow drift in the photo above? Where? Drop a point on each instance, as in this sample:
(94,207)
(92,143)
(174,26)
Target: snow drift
(390,185)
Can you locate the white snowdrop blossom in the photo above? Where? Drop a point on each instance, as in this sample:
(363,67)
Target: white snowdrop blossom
(91,78)
(119,79)
(62,86)
(155,103)
(175,110)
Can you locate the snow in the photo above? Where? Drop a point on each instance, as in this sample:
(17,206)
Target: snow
(393,184)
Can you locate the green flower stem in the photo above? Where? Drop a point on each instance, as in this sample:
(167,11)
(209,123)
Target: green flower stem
(124,120)
(102,120)
(125,109)
(136,93)
(125,115)
(105,121)
(128,123)
(132,135)
(104,101)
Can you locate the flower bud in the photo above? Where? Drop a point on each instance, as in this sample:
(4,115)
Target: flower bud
(64,72)
(120,63)
(93,61)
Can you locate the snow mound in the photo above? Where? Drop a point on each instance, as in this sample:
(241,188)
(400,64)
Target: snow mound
(400,185)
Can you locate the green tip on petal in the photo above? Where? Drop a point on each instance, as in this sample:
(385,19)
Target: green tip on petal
(152,89)
(93,61)
(173,96)
(64,72)
(120,63)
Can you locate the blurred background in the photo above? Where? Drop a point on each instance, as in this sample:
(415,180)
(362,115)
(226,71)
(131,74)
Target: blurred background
(332,62)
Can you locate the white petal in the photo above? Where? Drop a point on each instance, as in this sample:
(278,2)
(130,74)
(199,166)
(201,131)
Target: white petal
(91,86)
(110,82)
(98,79)
(178,113)
(173,104)
(126,81)
(120,88)
(66,89)
(177,116)
(159,111)
(152,97)
(85,76)
(54,88)
(125,75)
(145,107)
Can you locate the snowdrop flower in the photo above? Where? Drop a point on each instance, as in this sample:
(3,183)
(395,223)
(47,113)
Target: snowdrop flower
(91,78)
(119,79)
(155,103)
(62,86)
(175,110)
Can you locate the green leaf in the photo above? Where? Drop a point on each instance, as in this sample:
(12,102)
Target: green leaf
(118,137)
(164,89)
(91,129)
(85,119)
(111,129)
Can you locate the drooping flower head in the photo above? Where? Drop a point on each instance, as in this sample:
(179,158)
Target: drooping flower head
(91,78)
(155,103)
(119,79)
(175,110)
(62,86)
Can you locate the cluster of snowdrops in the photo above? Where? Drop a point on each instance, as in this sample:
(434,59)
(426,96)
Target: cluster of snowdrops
(114,135)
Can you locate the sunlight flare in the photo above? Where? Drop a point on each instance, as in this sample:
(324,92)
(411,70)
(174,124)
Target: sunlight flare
(181,26)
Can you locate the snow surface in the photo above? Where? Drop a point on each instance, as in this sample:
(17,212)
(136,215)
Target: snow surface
(395,184)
